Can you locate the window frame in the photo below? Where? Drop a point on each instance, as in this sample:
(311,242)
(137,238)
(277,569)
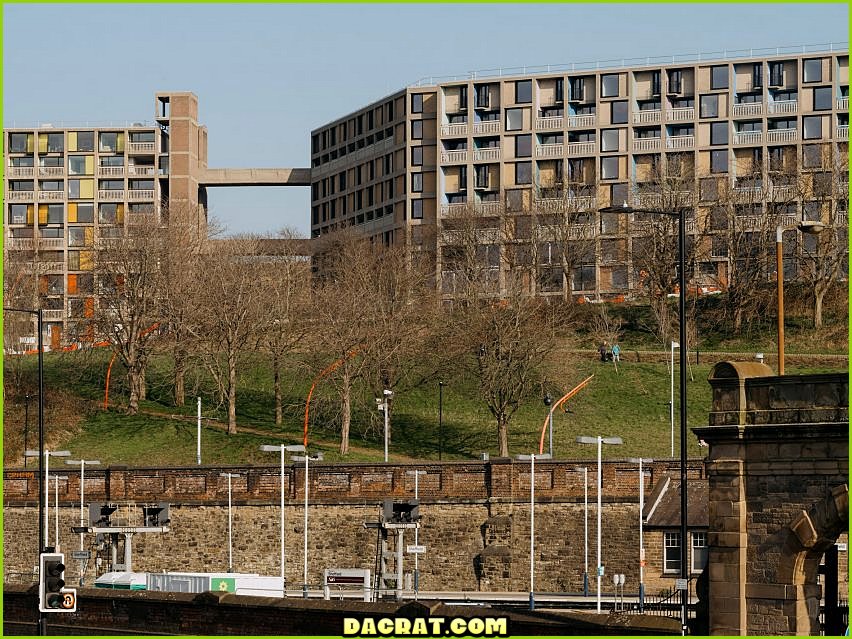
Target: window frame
(698,550)
(605,90)
(671,565)
(521,91)
(715,77)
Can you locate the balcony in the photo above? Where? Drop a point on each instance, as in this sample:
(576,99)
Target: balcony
(544,124)
(453,157)
(842,104)
(680,142)
(141,170)
(680,114)
(111,195)
(747,109)
(580,148)
(111,171)
(565,204)
(53,314)
(51,196)
(51,171)
(581,121)
(51,243)
(782,106)
(20,196)
(783,192)
(20,171)
(140,194)
(20,243)
(748,137)
(646,144)
(488,208)
(841,132)
(782,135)
(491,126)
(486,155)
(140,147)
(454,130)
(482,208)
(452,210)
(549,150)
(647,117)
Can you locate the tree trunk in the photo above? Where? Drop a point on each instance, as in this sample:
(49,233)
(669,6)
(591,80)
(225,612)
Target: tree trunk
(232,393)
(179,377)
(142,386)
(503,436)
(276,385)
(346,417)
(133,383)
(819,295)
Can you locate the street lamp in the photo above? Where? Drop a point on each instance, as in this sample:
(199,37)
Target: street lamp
(599,441)
(531,458)
(282,449)
(585,471)
(230,521)
(306,458)
(548,400)
(382,405)
(811,228)
(46,478)
(671,397)
(56,479)
(680,213)
(82,464)
(416,474)
(639,460)
(440,420)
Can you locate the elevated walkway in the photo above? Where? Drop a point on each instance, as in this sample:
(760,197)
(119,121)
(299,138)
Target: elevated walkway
(254,177)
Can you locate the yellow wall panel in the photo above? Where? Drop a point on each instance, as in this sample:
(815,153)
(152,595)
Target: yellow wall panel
(72,284)
(119,144)
(30,143)
(119,213)
(87,189)
(30,213)
(86,261)
(42,143)
(72,140)
(89,235)
(42,213)
(90,165)
(72,212)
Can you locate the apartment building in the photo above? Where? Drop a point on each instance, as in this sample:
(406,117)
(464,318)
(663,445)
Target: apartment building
(67,186)
(403,169)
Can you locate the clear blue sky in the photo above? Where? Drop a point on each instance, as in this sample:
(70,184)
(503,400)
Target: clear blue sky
(265,75)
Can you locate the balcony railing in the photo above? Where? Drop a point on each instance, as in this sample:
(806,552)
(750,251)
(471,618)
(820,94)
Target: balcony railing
(580,148)
(488,208)
(843,103)
(680,142)
(453,157)
(111,171)
(680,114)
(581,121)
(565,204)
(20,196)
(454,130)
(647,117)
(51,243)
(53,314)
(549,150)
(748,137)
(51,196)
(20,171)
(747,109)
(555,122)
(782,135)
(491,126)
(111,195)
(486,155)
(140,194)
(841,132)
(782,106)
(454,209)
(20,243)
(141,170)
(140,147)
(783,192)
(51,171)
(646,144)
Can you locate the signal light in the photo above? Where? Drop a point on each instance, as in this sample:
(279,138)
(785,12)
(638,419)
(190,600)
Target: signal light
(53,596)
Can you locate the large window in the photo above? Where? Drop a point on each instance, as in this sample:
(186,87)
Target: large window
(523,173)
(609,168)
(718,133)
(417,129)
(417,103)
(812,156)
(812,127)
(609,140)
(609,85)
(699,551)
(709,106)
(85,141)
(19,142)
(776,74)
(416,182)
(514,119)
(619,112)
(18,213)
(77,164)
(55,142)
(719,77)
(417,156)
(812,71)
(822,99)
(719,161)
(416,209)
(523,146)
(523,91)
(671,552)
(108,141)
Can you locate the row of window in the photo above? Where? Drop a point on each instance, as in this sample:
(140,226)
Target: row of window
(366,172)
(77,213)
(353,127)
(108,141)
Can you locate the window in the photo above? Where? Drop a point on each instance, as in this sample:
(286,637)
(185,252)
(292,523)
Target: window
(21,185)
(417,182)
(109,142)
(416,209)
(514,119)
(417,156)
(112,160)
(417,103)
(618,194)
(85,212)
(812,156)
(719,161)
(822,99)
(699,551)
(55,142)
(812,127)
(719,77)
(609,168)
(20,162)
(576,87)
(675,81)
(609,85)
(523,173)
(142,136)
(523,146)
(18,213)
(619,112)
(757,75)
(55,213)
(482,96)
(463,98)
(77,164)
(609,140)
(481,176)
(655,83)
(812,71)
(109,213)
(583,278)
(523,91)
(417,130)
(776,74)
(709,106)
(18,142)
(718,133)
(559,89)
(671,552)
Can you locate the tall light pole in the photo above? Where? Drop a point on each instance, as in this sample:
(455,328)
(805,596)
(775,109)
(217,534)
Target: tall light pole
(198,436)
(282,449)
(599,441)
(306,458)
(46,484)
(811,228)
(671,396)
(639,460)
(56,479)
(382,404)
(230,521)
(416,474)
(548,400)
(585,527)
(531,459)
(82,464)
(440,420)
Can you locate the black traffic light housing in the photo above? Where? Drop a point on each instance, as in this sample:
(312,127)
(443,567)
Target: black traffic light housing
(158,515)
(406,512)
(99,515)
(53,596)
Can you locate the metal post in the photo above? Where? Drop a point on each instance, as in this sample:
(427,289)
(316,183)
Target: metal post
(641,540)
(550,427)
(42,620)
(779,266)
(586,531)
(46,497)
(440,420)
(56,512)
(26,425)
(82,521)
(385,410)
(283,575)
(398,593)
(305,582)
(532,531)
(684,569)
(198,438)
(230,523)
(671,398)
(416,536)
(600,484)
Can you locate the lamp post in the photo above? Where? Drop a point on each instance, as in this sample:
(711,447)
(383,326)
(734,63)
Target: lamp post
(671,396)
(82,464)
(639,460)
(440,420)
(531,459)
(548,400)
(26,424)
(282,449)
(230,521)
(599,441)
(680,214)
(811,228)
(416,474)
(46,484)
(382,405)
(585,527)
(306,458)
(198,435)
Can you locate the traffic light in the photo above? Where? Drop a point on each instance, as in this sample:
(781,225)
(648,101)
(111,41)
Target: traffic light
(406,512)
(53,596)
(99,515)
(155,516)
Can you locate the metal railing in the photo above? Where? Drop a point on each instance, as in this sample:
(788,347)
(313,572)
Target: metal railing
(647,117)
(782,106)
(646,144)
(549,150)
(490,126)
(680,114)
(580,148)
(842,132)
(581,121)
(454,130)
(782,135)
(486,155)
(448,157)
(680,141)
(843,103)
(746,109)
(748,137)
(553,122)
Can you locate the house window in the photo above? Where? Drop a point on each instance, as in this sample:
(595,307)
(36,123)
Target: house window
(576,88)
(417,103)
(514,119)
(719,161)
(699,551)
(812,127)
(719,77)
(609,85)
(812,156)
(709,106)
(675,81)
(619,112)
(417,182)
(108,142)
(822,99)
(523,91)
(417,156)
(416,209)
(55,142)
(776,74)
(671,552)
(609,140)
(523,146)
(812,71)
(757,75)
(523,173)
(609,168)
(718,133)
(18,142)
(417,130)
